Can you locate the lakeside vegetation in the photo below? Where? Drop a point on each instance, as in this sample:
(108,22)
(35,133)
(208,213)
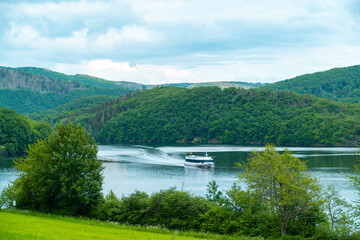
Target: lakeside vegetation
(61,175)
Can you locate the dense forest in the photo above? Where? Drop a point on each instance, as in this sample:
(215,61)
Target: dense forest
(17,132)
(339,84)
(27,101)
(61,112)
(212,115)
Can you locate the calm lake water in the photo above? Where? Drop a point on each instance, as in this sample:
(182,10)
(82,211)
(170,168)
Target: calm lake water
(152,168)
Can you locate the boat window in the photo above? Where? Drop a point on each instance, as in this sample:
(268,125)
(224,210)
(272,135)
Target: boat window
(198,161)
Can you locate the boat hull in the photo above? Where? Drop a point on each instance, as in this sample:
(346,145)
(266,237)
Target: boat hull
(199,165)
(199,161)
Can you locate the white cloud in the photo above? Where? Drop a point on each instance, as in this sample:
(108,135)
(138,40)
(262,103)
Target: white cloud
(181,40)
(79,42)
(65,11)
(23,36)
(261,68)
(127,34)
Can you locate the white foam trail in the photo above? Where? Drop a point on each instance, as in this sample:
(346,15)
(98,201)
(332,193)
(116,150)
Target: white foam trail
(139,154)
(162,158)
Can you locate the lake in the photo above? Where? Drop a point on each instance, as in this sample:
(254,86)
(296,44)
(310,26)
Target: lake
(152,168)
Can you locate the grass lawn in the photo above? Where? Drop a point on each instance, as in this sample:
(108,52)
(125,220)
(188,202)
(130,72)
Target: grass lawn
(21,226)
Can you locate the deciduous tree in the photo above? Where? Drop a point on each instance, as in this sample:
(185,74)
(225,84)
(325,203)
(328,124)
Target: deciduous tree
(61,174)
(282,181)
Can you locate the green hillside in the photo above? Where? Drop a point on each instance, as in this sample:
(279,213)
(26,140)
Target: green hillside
(212,115)
(27,101)
(81,78)
(339,84)
(61,112)
(30,90)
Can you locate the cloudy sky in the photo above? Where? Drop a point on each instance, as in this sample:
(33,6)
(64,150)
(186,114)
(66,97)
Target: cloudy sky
(163,41)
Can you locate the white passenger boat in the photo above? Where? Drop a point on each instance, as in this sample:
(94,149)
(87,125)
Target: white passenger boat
(199,161)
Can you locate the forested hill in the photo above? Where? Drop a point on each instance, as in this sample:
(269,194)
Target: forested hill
(27,90)
(339,84)
(212,115)
(35,90)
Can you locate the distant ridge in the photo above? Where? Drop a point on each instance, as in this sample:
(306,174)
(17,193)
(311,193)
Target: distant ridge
(222,85)
(13,79)
(339,84)
(100,82)
(82,79)
(28,90)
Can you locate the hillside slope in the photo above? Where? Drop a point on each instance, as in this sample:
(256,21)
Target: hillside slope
(339,84)
(29,91)
(82,79)
(212,115)
(14,79)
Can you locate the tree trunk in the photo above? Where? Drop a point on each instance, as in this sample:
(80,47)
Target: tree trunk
(283,226)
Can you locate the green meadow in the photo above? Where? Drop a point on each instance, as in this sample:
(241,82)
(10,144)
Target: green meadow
(21,226)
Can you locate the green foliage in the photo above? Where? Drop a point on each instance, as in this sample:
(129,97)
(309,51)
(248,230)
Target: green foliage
(29,101)
(283,183)
(339,212)
(7,196)
(17,132)
(62,112)
(212,115)
(323,232)
(339,84)
(355,181)
(220,220)
(175,209)
(108,210)
(133,208)
(213,194)
(168,208)
(241,213)
(60,175)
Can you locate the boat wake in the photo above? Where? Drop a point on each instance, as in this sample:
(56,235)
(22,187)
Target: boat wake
(139,154)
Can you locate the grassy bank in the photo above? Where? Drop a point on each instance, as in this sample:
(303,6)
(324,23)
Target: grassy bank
(17,225)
